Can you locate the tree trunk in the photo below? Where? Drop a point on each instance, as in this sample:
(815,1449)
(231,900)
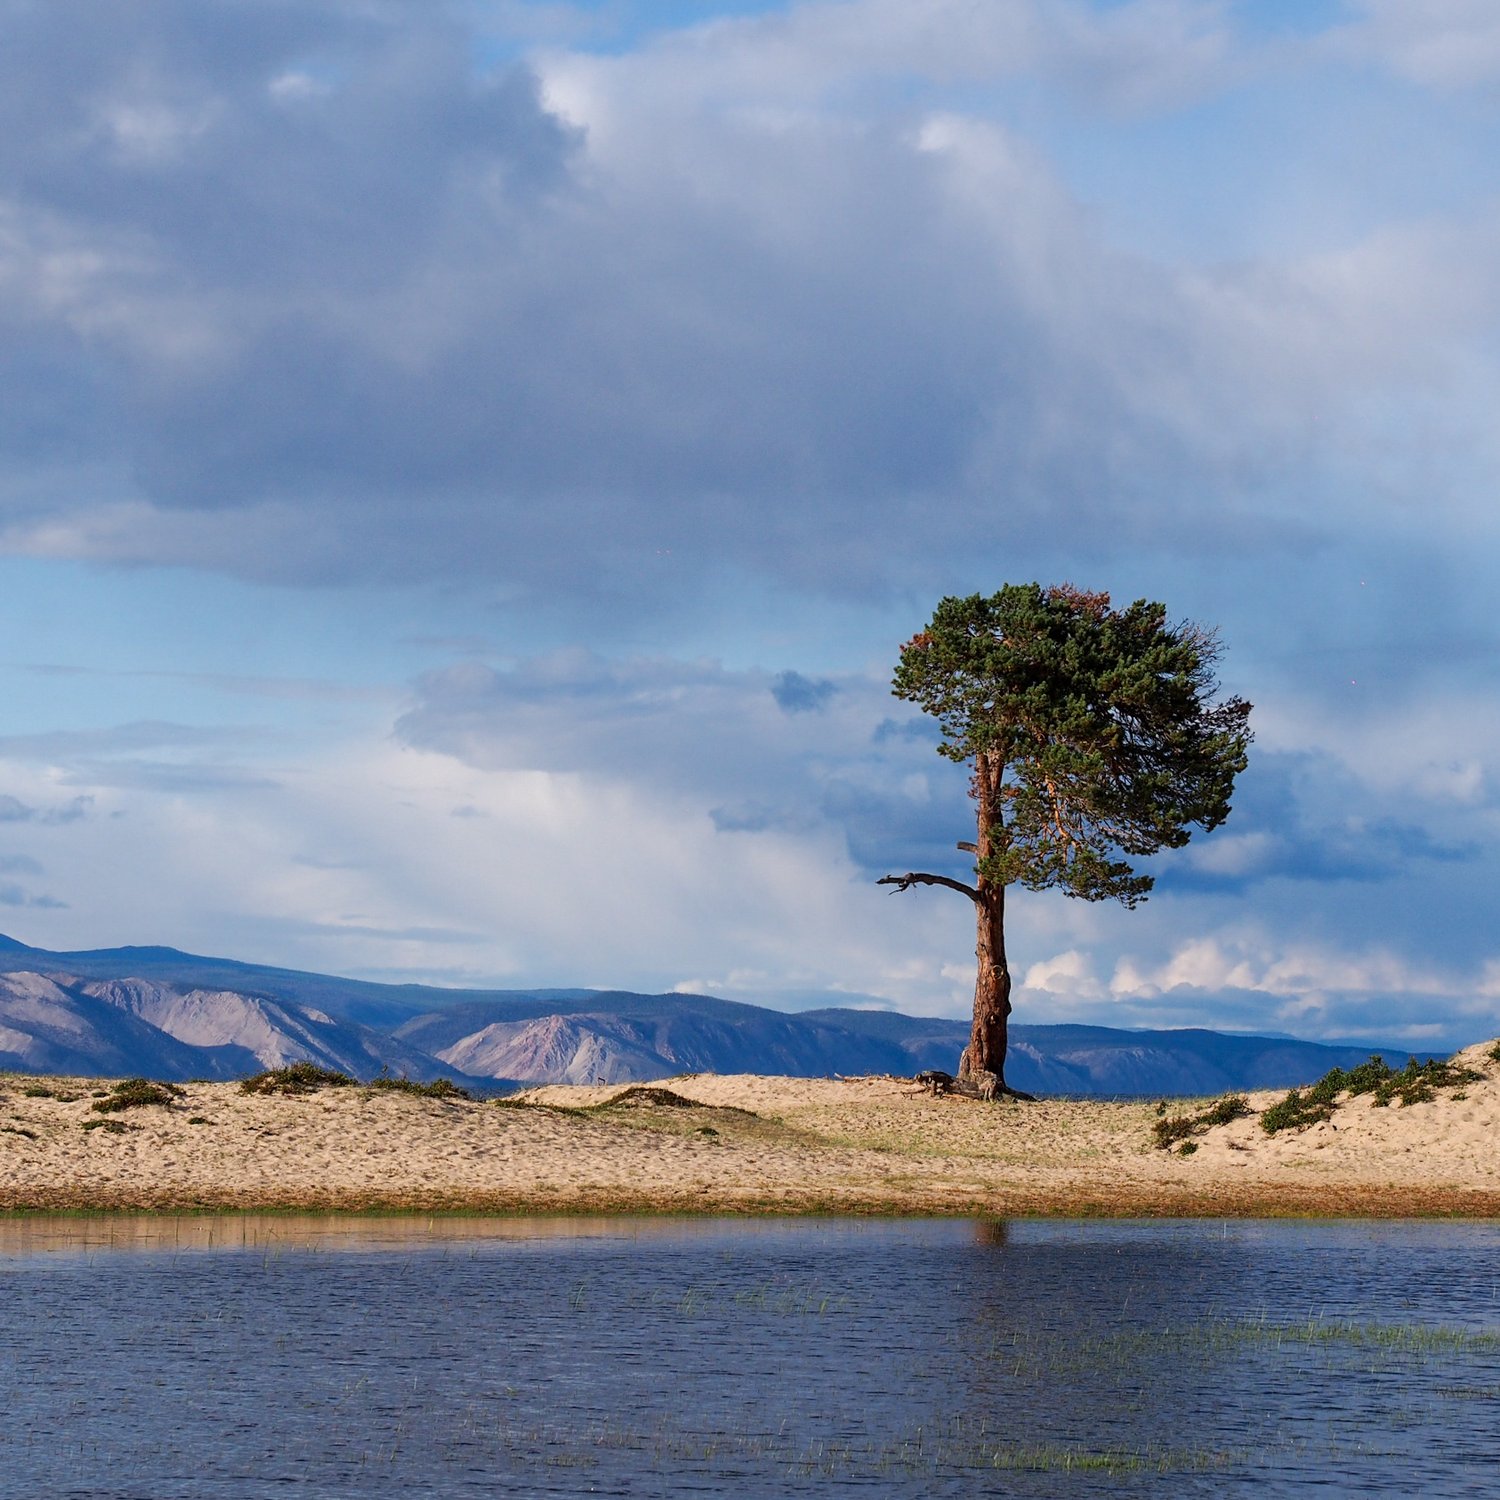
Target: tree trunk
(988,1039)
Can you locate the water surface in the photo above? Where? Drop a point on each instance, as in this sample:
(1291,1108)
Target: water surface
(243,1356)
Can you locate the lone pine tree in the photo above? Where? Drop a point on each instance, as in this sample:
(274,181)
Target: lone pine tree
(1093,737)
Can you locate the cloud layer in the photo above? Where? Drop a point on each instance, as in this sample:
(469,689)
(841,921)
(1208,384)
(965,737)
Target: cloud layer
(659,377)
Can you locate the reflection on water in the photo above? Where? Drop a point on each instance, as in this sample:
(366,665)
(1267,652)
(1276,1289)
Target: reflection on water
(240,1356)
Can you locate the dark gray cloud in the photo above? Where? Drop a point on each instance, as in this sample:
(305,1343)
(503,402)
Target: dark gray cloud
(797,694)
(13,810)
(14,895)
(1303,817)
(328,302)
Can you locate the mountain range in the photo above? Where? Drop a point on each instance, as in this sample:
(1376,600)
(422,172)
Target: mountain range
(165,1014)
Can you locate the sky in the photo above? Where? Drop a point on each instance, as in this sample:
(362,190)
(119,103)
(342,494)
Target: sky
(467,468)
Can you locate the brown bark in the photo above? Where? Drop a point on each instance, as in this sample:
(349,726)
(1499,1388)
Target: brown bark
(988,1037)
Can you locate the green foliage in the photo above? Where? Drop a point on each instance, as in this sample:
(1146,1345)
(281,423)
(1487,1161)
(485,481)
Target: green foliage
(1168,1130)
(296,1078)
(136,1093)
(1296,1112)
(1416,1083)
(37,1091)
(1494,1053)
(1097,728)
(439,1088)
(109,1127)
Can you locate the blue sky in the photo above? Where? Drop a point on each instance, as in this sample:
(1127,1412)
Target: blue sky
(466,470)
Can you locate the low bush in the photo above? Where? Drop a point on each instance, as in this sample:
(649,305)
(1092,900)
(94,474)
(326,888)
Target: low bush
(1416,1083)
(1171,1129)
(296,1078)
(1296,1112)
(136,1093)
(439,1088)
(109,1127)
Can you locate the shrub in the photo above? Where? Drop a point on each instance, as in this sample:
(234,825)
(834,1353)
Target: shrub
(439,1088)
(134,1093)
(1170,1130)
(109,1127)
(1416,1082)
(296,1078)
(1296,1112)
(1494,1053)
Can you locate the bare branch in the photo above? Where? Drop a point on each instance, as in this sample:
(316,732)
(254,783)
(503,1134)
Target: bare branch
(907,881)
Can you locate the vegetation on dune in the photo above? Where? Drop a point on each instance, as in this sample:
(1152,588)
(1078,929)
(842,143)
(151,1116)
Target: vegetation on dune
(439,1088)
(1416,1083)
(295,1078)
(136,1093)
(1169,1130)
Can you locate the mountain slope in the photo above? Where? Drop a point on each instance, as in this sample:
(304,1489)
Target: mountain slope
(69,1024)
(178,1015)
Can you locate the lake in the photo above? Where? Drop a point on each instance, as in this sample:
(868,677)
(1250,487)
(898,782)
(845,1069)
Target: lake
(242,1357)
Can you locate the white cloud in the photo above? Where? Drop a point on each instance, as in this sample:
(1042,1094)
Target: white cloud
(1447,44)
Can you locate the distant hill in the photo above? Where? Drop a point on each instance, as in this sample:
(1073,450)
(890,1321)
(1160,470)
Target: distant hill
(65,1023)
(173,1015)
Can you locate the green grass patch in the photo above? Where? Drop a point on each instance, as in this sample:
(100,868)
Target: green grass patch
(136,1093)
(439,1088)
(1171,1129)
(296,1078)
(109,1127)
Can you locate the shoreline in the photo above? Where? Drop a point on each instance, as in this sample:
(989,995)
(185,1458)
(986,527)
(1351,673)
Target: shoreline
(742,1146)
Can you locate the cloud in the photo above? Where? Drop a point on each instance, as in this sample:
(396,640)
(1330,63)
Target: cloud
(13,810)
(713,739)
(796,694)
(311,297)
(1305,817)
(1444,44)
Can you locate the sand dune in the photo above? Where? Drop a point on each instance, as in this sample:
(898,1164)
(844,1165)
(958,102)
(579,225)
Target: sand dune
(740,1144)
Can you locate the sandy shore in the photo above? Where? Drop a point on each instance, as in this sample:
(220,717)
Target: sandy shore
(742,1145)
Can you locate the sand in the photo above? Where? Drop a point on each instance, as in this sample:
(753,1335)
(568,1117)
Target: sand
(743,1145)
